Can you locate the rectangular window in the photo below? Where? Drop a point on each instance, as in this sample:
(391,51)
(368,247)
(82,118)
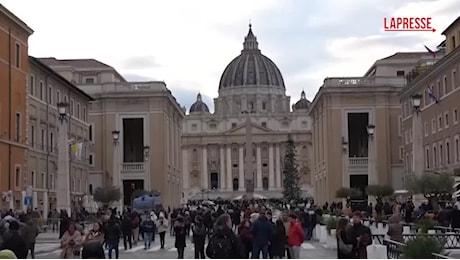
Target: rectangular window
(264,124)
(453,42)
(17,128)
(65,99)
(433,126)
(441,154)
(58,96)
(91,159)
(32,178)
(455,116)
(454,79)
(401,153)
(426,128)
(43,180)
(400,73)
(42,91)
(439,123)
(457,149)
(435,156)
(71,107)
(233,125)
(91,132)
(78,110)
(212,126)
(43,141)
(446,120)
(427,157)
(32,136)
(17,176)
(444,86)
(32,85)
(89,80)
(447,152)
(50,95)
(51,142)
(84,114)
(17,56)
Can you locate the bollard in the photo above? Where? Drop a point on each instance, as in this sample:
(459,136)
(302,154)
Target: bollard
(332,240)
(317,234)
(376,252)
(406,230)
(323,234)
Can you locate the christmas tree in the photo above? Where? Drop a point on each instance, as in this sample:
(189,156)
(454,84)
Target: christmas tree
(291,180)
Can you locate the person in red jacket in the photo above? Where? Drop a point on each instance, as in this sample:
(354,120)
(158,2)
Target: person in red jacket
(296,236)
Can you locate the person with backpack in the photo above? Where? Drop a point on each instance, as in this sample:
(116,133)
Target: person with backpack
(199,237)
(136,220)
(224,244)
(148,227)
(180,232)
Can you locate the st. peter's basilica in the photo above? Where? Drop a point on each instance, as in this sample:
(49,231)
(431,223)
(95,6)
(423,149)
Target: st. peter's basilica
(252,112)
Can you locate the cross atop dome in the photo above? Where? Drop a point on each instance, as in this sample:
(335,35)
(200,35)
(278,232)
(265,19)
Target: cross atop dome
(250,41)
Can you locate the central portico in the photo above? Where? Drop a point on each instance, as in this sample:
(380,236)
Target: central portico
(240,147)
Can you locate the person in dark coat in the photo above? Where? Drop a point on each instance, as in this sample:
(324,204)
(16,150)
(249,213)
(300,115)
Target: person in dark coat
(360,236)
(112,236)
(181,233)
(261,231)
(278,240)
(199,237)
(127,229)
(245,237)
(342,229)
(13,241)
(223,232)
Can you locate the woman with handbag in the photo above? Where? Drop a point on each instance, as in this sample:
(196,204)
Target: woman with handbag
(344,245)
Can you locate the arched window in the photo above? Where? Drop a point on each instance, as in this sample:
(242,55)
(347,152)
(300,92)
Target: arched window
(235,184)
(265,183)
(195,155)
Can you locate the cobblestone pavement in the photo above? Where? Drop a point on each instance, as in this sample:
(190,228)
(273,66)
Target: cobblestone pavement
(50,249)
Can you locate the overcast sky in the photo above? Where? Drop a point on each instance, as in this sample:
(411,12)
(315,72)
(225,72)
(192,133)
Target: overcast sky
(189,43)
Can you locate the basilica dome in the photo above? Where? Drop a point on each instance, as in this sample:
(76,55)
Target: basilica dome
(251,68)
(199,106)
(302,104)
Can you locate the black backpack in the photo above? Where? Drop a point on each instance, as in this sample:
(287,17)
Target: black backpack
(220,247)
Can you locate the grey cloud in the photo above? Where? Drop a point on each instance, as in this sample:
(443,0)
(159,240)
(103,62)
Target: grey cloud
(140,62)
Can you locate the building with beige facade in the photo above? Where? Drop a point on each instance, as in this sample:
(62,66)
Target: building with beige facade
(46,89)
(239,148)
(14,70)
(356,127)
(146,155)
(430,106)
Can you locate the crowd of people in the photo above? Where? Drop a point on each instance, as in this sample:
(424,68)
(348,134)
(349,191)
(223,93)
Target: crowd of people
(231,229)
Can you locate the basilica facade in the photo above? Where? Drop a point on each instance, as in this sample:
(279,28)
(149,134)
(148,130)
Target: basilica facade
(240,147)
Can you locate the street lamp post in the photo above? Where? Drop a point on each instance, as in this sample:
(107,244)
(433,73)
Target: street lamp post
(346,176)
(417,137)
(372,154)
(63,174)
(116,175)
(147,168)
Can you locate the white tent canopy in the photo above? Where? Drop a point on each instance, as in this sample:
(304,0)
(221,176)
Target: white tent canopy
(255,196)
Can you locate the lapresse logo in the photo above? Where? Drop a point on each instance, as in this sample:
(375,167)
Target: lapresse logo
(407,24)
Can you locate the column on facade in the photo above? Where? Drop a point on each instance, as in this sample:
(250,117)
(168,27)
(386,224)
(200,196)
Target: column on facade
(204,169)
(229,168)
(372,173)
(241,178)
(271,168)
(185,173)
(277,167)
(259,167)
(222,167)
